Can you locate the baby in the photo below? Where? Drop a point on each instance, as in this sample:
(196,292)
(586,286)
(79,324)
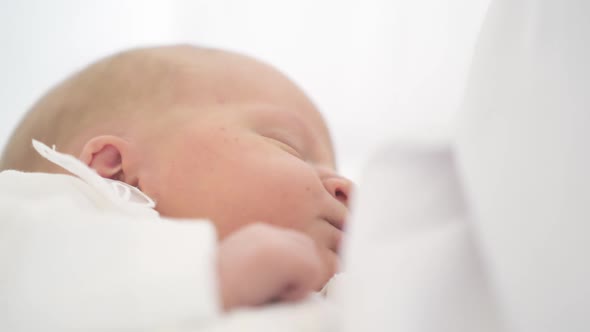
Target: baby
(205,134)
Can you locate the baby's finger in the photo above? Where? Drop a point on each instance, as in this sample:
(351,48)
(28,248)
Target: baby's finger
(294,292)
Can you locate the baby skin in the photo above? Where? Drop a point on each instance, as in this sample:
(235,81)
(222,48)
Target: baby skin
(209,134)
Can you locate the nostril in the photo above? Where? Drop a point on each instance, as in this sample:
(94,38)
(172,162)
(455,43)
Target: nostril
(341,196)
(338,187)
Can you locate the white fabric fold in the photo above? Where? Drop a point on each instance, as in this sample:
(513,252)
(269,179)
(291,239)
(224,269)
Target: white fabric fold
(523,150)
(72,259)
(411,263)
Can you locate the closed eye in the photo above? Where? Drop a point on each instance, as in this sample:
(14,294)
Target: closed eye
(286,147)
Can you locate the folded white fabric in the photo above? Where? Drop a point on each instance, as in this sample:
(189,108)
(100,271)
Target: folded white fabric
(411,262)
(418,262)
(74,258)
(313,315)
(524,154)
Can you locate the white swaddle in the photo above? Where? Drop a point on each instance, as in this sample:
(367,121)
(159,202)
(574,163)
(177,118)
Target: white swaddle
(83,254)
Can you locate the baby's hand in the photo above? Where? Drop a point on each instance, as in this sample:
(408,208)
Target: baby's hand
(261,264)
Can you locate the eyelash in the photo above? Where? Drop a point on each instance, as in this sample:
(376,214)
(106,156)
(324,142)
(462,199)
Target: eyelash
(288,148)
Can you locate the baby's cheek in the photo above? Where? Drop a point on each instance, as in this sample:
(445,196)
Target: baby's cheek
(301,185)
(293,193)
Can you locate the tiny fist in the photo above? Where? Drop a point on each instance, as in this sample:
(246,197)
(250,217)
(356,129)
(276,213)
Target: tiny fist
(259,264)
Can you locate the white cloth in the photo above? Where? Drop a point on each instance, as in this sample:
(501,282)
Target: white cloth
(72,257)
(523,151)
(315,314)
(512,255)
(412,263)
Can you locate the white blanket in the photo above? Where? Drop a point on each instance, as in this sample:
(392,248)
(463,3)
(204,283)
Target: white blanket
(313,315)
(90,255)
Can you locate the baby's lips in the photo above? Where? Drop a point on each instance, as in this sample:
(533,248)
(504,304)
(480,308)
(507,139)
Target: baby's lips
(335,238)
(337,222)
(338,243)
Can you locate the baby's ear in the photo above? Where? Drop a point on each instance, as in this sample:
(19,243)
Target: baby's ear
(107,155)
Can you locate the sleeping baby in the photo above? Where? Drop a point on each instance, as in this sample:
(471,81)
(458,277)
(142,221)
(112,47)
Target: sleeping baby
(182,182)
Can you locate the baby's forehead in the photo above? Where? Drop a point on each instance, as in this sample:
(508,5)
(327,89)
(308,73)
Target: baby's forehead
(223,80)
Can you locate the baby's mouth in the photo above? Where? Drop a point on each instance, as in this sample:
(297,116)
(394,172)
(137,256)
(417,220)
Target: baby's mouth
(336,243)
(338,223)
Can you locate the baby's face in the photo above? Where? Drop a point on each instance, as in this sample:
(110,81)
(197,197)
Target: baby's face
(253,149)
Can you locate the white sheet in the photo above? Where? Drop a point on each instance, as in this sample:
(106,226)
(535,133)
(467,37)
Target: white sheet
(313,315)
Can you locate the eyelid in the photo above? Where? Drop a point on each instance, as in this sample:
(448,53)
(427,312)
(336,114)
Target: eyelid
(287,146)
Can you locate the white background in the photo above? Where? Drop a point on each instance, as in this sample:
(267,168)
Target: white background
(377,69)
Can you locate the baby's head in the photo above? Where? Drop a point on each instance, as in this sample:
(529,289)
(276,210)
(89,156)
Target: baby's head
(205,133)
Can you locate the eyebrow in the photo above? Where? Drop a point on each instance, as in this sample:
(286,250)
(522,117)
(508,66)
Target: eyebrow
(291,119)
(305,131)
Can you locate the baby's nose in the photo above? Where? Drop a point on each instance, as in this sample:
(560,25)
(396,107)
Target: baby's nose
(339,187)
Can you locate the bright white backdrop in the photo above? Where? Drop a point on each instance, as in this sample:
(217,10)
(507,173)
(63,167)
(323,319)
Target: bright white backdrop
(378,69)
